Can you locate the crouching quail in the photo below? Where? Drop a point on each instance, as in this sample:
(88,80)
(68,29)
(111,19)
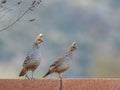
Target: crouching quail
(63,63)
(33,58)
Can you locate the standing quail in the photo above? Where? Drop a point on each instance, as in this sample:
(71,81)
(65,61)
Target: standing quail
(62,64)
(33,58)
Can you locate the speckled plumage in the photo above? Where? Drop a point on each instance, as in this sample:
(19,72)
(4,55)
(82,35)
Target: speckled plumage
(33,58)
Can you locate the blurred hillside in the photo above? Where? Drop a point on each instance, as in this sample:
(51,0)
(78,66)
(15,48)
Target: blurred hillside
(93,24)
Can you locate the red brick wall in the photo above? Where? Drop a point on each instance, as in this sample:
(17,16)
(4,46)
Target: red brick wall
(57,84)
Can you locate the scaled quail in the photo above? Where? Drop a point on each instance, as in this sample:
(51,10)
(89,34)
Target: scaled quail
(63,63)
(33,58)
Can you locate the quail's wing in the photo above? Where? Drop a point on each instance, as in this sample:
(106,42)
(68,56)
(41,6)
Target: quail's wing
(57,62)
(26,61)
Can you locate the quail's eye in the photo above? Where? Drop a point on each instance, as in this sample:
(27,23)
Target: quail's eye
(25,62)
(38,39)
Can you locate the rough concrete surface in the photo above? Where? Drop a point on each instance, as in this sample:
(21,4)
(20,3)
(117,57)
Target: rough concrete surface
(91,84)
(24,84)
(57,84)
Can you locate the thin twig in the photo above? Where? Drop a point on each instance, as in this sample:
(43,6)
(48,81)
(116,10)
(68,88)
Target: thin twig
(18,19)
(15,21)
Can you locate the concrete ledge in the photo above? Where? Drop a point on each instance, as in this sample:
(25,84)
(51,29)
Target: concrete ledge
(91,84)
(57,84)
(24,84)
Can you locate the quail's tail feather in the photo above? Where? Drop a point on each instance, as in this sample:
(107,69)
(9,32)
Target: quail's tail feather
(46,74)
(23,72)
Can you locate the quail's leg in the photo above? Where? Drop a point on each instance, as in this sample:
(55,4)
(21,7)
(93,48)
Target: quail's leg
(26,77)
(32,75)
(60,75)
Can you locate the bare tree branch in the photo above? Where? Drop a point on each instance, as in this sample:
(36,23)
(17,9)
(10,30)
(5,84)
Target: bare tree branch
(33,5)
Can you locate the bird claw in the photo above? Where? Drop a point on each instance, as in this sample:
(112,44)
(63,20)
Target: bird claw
(33,78)
(26,77)
(60,76)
